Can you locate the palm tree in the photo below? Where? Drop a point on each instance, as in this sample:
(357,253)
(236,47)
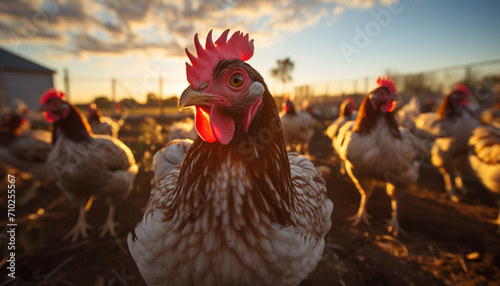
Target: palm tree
(283,72)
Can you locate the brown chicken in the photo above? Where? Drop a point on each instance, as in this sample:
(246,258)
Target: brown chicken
(232,207)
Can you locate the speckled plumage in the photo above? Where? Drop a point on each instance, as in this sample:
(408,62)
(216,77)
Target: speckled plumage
(106,126)
(28,152)
(484,156)
(230,242)
(375,150)
(86,165)
(448,142)
(232,207)
(298,130)
(380,156)
(484,159)
(24,150)
(104,167)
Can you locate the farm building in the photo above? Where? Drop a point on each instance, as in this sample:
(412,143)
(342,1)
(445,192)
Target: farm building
(23,79)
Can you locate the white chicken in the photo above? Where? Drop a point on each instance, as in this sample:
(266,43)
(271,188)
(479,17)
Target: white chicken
(231,208)
(182,130)
(101,124)
(491,115)
(298,127)
(450,128)
(376,150)
(407,114)
(484,159)
(24,150)
(347,113)
(86,165)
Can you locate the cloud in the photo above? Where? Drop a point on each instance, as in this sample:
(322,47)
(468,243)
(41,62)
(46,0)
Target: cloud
(338,10)
(85,27)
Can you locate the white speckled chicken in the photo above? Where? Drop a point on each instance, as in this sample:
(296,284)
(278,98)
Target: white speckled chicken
(484,159)
(86,165)
(347,113)
(376,150)
(24,150)
(182,130)
(232,207)
(407,114)
(450,128)
(298,127)
(100,124)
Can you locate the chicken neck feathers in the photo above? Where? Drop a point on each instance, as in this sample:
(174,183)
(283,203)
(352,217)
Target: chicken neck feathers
(248,207)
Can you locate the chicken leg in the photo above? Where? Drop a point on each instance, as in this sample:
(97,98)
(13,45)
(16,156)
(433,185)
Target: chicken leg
(449,183)
(80,227)
(395,194)
(109,225)
(365,188)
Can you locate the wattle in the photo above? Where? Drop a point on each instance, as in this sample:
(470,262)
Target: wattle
(388,106)
(50,117)
(212,125)
(203,126)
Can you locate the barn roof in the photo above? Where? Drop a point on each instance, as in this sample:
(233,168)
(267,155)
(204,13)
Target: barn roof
(10,61)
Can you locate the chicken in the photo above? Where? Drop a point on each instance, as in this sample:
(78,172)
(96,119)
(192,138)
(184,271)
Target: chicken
(24,150)
(376,150)
(182,130)
(298,127)
(120,113)
(492,114)
(232,207)
(450,129)
(484,159)
(347,113)
(101,124)
(86,165)
(407,114)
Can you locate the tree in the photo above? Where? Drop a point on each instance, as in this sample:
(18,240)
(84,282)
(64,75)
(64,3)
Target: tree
(102,102)
(283,72)
(151,99)
(129,102)
(171,101)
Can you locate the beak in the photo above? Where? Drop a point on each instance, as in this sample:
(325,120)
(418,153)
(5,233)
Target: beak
(191,97)
(395,97)
(43,107)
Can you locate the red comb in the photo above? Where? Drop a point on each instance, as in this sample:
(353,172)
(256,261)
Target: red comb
(202,66)
(49,94)
(461,88)
(348,101)
(388,83)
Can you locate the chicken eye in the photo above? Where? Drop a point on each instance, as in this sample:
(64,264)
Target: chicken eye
(236,80)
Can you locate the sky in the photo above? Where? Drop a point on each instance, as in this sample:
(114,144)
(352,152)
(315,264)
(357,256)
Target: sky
(136,42)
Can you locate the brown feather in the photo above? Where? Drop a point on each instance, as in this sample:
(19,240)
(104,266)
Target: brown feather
(368,117)
(445,109)
(448,110)
(96,116)
(75,127)
(260,152)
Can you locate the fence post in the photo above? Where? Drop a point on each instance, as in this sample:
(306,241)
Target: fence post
(160,94)
(113,91)
(468,74)
(366,84)
(66,84)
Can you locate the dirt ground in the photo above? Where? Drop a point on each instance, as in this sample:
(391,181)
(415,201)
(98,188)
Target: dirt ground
(448,243)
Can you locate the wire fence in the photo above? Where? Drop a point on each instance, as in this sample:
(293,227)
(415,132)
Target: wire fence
(482,77)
